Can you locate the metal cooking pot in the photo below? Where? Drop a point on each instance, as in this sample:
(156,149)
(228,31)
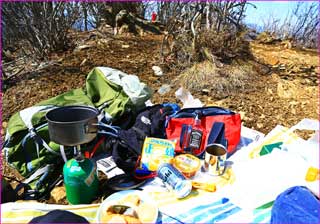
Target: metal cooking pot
(72,125)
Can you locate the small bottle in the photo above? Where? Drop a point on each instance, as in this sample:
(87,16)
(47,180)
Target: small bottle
(196,135)
(174,180)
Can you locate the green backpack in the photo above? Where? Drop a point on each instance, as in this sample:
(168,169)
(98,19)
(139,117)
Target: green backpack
(27,144)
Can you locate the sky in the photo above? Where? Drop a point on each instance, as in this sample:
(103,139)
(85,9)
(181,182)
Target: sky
(265,9)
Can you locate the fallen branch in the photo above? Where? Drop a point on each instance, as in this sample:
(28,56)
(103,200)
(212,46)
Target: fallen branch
(38,69)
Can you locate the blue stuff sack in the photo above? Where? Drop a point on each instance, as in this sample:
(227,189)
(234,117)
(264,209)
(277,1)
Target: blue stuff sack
(296,205)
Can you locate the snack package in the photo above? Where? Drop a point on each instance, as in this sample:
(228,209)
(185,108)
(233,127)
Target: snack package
(156,151)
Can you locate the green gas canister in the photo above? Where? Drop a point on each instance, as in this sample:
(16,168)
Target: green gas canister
(80,180)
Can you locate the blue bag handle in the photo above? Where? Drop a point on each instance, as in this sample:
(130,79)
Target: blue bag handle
(205,111)
(217,134)
(183,130)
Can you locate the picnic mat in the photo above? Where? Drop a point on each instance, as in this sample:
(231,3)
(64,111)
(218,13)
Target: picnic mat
(245,193)
(205,207)
(248,198)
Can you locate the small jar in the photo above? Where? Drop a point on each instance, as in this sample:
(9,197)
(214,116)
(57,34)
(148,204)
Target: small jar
(187,164)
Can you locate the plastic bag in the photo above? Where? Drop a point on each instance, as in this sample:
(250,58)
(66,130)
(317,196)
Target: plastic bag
(187,99)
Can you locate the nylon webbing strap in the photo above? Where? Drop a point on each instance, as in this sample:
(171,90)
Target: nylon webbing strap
(217,134)
(35,194)
(183,130)
(48,147)
(63,154)
(39,141)
(37,173)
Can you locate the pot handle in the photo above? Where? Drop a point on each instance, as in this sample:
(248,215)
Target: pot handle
(90,129)
(103,126)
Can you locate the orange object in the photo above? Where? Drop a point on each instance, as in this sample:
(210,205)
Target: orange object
(312,174)
(204,186)
(187,164)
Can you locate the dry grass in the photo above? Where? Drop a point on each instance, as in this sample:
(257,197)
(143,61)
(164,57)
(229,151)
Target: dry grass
(225,45)
(220,82)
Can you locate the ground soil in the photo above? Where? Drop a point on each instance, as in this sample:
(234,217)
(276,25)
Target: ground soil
(263,108)
(284,95)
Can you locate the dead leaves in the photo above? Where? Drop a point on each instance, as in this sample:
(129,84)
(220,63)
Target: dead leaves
(262,107)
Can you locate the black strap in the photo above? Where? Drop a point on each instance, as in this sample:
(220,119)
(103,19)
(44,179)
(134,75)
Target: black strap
(26,155)
(35,194)
(46,192)
(217,134)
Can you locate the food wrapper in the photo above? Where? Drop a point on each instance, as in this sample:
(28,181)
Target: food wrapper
(156,151)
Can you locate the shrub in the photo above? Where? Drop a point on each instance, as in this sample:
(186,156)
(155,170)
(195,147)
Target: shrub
(220,82)
(43,25)
(224,45)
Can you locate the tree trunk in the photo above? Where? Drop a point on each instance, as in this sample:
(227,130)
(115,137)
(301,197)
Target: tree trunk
(135,24)
(208,25)
(85,15)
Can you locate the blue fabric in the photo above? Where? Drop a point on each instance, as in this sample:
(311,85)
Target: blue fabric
(205,111)
(175,107)
(217,134)
(296,205)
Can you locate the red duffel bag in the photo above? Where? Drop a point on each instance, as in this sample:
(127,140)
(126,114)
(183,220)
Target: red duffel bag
(203,118)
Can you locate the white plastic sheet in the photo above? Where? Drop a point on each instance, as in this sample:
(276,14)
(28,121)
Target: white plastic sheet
(261,180)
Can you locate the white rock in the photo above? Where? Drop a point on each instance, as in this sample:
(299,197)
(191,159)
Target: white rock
(157,71)
(164,89)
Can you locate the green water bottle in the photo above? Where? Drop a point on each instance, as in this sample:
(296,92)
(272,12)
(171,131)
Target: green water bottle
(80,180)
